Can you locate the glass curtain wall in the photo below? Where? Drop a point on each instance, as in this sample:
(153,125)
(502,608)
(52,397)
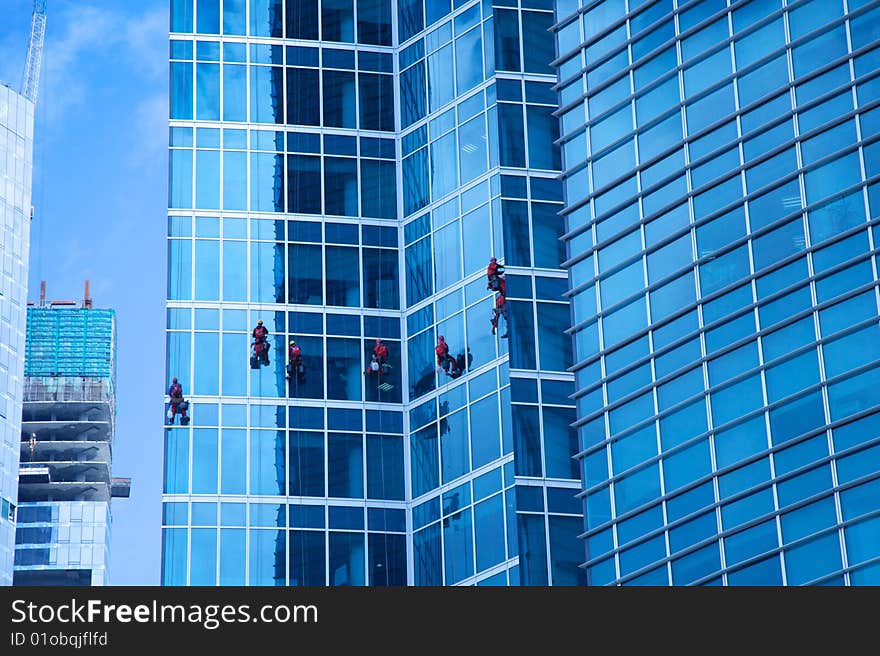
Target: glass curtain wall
(16,161)
(720,165)
(336,172)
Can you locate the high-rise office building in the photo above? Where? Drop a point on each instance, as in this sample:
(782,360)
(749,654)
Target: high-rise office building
(16,149)
(69,411)
(343,170)
(721,165)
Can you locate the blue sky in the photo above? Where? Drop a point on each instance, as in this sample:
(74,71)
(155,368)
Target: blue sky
(100,198)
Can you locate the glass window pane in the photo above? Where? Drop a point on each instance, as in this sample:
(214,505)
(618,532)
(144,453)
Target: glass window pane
(344,369)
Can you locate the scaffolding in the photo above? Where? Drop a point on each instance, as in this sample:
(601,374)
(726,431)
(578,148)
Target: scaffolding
(66,389)
(70,342)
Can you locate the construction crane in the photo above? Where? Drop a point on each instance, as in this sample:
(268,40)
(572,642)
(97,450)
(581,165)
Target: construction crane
(30,81)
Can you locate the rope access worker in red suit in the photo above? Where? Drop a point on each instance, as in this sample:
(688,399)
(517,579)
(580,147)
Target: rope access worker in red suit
(380,357)
(178,405)
(444,360)
(380,351)
(295,362)
(493,273)
(261,346)
(260,332)
(499,310)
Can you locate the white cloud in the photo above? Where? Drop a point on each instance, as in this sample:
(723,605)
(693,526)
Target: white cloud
(81,37)
(147,39)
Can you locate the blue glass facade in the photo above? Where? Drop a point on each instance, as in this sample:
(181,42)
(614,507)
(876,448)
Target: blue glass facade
(721,166)
(16,151)
(343,170)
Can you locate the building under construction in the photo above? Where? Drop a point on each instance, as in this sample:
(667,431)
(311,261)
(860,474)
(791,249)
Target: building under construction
(67,431)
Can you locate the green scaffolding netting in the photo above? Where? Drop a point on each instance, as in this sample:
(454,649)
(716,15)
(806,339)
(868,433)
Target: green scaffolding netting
(70,342)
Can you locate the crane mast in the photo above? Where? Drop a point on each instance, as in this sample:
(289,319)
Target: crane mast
(31,79)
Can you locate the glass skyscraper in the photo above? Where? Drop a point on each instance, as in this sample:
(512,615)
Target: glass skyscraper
(16,152)
(342,170)
(721,165)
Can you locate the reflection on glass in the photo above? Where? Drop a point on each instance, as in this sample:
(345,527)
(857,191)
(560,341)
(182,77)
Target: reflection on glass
(344,369)
(347,559)
(458,547)
(267,557)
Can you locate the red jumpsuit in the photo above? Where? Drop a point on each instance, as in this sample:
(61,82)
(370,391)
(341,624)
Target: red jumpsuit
(176,394)
(442,351)
(499,309)
(261,347)
(260,333)
(493,273)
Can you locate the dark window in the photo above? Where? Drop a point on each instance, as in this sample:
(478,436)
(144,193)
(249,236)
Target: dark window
(378,189)
(344,369)
(337,20)
(413,101)
(304,184)
(425,460)
(387,559)
(340,186)
(418,268)
(339,99)
(345,465)
(376,102)
(374,22)
(543,131)
(527,440)
(302,19)
(547,227)
(516,233)
(427,556)
(346,558)
(410,18)
(305,274)
(384,467)
(507,41)
(522,332)
(512,142)
(307,558)
(533,550)
(302,96)
(416,188)
(538,50)
(380,279)
(343,277)
(306,464)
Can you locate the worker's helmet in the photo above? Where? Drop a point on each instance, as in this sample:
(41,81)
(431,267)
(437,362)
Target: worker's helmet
(292,342)
(174,380)
(259,322)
